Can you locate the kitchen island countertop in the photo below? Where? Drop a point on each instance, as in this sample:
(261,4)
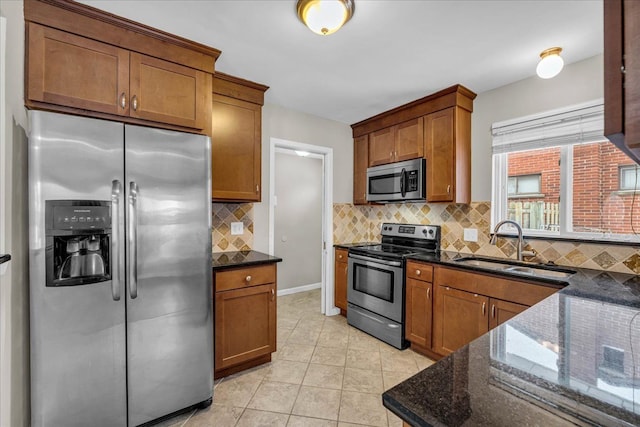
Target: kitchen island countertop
(572,359)
(224,260)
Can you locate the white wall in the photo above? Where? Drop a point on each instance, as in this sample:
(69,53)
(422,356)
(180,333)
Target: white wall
(298,219)
(282,123)
(578,82)
(14,285)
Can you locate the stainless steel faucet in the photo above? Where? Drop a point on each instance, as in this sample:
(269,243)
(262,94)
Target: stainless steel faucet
(520,244)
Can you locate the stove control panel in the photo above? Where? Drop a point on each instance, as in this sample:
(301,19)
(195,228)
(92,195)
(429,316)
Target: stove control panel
(413,231)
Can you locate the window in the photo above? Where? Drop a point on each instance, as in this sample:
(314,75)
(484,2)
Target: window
(524,185)
(629,178)
(557,176)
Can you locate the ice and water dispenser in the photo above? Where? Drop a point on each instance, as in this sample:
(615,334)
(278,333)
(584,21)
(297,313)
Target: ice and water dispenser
(78,234)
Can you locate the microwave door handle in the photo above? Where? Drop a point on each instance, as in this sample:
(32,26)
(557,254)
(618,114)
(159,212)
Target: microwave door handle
(403,174)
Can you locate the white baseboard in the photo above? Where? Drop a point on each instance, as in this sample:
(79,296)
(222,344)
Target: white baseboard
(297,289)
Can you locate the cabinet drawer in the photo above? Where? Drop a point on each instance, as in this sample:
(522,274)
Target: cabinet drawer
(341,255)
(244,277)
(419,271)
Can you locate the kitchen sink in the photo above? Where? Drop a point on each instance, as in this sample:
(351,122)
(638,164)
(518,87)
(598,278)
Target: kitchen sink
(514,267)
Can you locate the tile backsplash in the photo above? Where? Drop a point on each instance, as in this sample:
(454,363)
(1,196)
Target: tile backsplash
(355,224)
(223,215)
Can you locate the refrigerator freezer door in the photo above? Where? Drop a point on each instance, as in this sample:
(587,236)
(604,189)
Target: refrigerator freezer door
(78,375)
(169,296)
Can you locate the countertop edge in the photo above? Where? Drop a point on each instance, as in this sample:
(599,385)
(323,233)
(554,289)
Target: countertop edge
(263,259)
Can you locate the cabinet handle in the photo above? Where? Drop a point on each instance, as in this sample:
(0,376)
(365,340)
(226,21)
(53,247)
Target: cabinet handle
(257,188)
(484,306)
(391,155)
(273,294)
(493,311)
(123,100)
(449,189)
(134,103)
(623,70)
(248,278)
(428,293)
(418,272)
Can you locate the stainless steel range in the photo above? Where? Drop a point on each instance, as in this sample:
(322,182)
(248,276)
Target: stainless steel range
(375,292)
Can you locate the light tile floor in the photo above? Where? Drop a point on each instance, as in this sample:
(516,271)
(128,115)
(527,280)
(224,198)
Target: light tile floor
(325,373)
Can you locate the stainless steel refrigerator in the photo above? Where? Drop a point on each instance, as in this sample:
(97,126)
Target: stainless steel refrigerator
(120,271)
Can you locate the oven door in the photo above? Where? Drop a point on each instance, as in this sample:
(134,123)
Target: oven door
(376,285)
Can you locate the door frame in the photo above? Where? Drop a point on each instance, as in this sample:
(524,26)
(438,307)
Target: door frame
(327,290)
(5,244)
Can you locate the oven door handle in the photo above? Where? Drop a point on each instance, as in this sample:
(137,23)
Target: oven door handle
(376,261)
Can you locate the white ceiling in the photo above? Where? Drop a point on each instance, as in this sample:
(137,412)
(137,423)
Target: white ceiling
(390,53)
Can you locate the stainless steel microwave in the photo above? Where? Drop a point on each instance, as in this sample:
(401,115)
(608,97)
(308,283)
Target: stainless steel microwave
(397,182)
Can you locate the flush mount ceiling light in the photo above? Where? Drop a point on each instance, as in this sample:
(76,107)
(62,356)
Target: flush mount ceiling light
(325,17)
(550,64)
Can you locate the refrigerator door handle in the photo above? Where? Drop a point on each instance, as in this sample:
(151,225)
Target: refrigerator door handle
(133,238)
(116,190)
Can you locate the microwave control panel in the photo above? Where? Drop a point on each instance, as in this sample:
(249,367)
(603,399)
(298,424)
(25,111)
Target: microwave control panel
(412,180)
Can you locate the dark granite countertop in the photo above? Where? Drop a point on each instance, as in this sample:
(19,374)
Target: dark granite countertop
(223,260)
(573,358)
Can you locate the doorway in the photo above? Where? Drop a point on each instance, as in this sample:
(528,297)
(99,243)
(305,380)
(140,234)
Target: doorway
(322,157)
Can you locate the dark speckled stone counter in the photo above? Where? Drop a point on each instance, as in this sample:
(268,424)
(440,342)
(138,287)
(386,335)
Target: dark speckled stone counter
(225,260)
(350,245)
(572,359)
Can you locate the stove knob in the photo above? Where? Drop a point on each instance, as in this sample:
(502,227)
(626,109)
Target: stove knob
(431,231)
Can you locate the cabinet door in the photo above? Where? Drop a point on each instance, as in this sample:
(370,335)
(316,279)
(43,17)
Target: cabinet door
(341,276)
(245,325)
(501,311)
(360,165)
(235,149)
(73,71)
(168,93)
(409,140)
(439,149)
(460,317)
(418,310)
(382,146)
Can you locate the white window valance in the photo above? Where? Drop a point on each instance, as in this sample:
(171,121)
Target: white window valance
(580,123)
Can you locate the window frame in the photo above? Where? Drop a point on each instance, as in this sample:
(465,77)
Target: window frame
(636,186)
(502,147)
(517,194)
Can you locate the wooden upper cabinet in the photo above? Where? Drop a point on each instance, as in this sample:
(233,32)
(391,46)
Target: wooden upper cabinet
(382,146)
(165,92)
(236,140)
(622,75)
(75,71)
(360,165)
(84,61)
(409,138)
(440,154)
(437,128)
(397,143)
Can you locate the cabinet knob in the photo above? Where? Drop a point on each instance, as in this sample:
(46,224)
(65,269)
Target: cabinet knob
(340,256)
(123,100)
(418,272)
(248,278)
(134,103)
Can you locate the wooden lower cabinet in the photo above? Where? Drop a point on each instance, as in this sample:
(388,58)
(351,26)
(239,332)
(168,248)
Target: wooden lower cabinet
(501,311)
(468,304)
(341,277)
(462,318)
(245,318)
(418,312)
